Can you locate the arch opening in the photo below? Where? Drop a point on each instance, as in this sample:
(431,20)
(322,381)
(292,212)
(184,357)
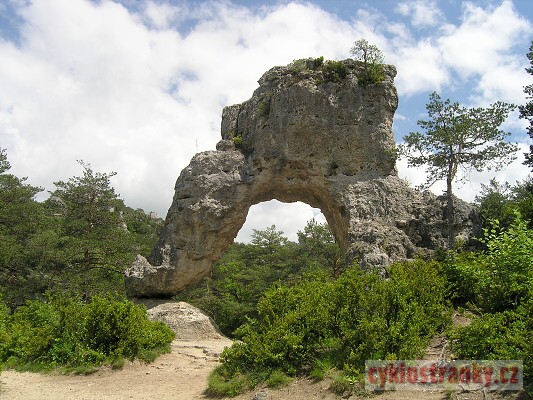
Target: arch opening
(288,218)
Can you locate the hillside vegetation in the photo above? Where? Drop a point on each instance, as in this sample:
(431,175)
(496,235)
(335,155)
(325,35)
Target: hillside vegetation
(295,308)
(295,311)
(62,301)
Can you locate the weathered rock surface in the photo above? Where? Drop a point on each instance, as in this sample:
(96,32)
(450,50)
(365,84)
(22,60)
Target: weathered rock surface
(187,321)
(299,138)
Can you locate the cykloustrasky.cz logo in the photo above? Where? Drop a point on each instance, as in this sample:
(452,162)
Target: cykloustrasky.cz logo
(444,375)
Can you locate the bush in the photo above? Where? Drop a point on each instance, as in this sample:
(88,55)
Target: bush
(237,141)
(334,71)
(319,322)
(5,336)
(372,74)
(498,283)
(220,384)
(499,336)
(499,278)
(318,62)
(65,332)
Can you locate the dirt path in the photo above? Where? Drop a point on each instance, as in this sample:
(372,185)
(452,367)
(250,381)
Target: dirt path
(181,374)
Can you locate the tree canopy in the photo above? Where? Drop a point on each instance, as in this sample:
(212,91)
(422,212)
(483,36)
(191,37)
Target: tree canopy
(80,239)
(372,58)
(455,136)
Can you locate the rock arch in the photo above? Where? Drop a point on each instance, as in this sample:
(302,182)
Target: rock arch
(301,137)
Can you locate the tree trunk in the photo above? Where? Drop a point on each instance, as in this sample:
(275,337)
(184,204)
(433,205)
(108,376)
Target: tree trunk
(450,213)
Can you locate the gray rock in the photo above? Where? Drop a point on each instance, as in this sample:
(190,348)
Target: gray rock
(187,321)
(260,396)
(301,138)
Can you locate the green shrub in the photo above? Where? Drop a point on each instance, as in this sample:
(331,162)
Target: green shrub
(65,332)
(237,141)
(319,323)
(318,62)
(334,71)
(492,336)
(219,384)
(499,278)
(5,335)
(498,283)
(394,318)
(343,383)
(372,74)
(278,379)
(499,336)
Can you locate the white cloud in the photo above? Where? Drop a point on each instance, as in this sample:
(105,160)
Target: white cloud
(484,47)
(140,92)
(288,218)
(161,15)
(90,81)
(422,13)
(484,37)
(480,51)
(420,68)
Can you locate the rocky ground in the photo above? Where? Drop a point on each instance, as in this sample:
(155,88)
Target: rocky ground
(182,374)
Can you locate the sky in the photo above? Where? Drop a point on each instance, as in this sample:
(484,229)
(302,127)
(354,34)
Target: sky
(138,86)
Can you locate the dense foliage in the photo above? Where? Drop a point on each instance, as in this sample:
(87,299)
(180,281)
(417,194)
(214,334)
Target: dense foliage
(505,203)
(231,292)
(66,332)
(497,284)
(322,323)
(80,239)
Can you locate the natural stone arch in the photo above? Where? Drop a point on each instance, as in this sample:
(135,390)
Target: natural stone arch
(299,138)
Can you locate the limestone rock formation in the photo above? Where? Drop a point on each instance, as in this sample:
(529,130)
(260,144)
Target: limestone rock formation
(308,136)
(187,321)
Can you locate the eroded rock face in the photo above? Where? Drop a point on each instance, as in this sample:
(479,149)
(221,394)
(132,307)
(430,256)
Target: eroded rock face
(299,138)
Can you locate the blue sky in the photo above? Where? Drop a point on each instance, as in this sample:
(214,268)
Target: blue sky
(137,86)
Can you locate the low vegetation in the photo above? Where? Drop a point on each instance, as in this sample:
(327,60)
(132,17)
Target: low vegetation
(77,242)
(76,336)
(322,326)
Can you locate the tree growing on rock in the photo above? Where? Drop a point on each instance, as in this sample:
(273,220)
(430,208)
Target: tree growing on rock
(372,59)
(455,137)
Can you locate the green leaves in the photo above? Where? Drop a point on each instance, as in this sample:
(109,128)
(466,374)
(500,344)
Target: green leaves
(368,53)
(526,110)
(340,322)
(372,59)
(81,239)
(457,136)
(238,280)
(499,278)
(65,332)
